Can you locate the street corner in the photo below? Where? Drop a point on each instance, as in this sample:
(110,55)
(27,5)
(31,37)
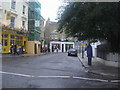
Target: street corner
(103,75)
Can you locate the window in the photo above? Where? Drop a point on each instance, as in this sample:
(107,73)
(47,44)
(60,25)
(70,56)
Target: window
(4,35)
(4,42)
(20,37)
(23,24)
(12,42)
(20,43)
(12,36)
(12,22)
(23,9)
(17,37)
(0,4)
(13,4)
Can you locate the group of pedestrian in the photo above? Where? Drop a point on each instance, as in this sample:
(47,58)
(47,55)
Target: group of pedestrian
(15,50)
(45,49)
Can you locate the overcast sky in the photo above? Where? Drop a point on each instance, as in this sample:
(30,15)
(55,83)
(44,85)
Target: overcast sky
(49,9)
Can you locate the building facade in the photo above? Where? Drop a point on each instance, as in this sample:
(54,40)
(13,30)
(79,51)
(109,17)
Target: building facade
(52,34)
(49,28)
(14,24)
(42,34)
(34,16)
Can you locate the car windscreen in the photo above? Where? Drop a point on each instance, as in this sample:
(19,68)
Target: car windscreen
(72,50)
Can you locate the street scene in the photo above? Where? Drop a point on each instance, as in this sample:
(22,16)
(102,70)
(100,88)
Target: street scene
(68,44)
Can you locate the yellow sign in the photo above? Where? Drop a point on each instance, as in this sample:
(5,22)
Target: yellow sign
(8,15)
(83,44)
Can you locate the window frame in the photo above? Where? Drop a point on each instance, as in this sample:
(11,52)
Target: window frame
(13,4)
(12,22)
(23,11)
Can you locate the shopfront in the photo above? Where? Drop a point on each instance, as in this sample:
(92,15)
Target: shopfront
(61,46)
(12,37)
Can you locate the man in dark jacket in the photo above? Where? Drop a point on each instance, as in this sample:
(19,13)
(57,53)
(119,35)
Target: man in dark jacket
(15,50)
(89,54)
(11,49)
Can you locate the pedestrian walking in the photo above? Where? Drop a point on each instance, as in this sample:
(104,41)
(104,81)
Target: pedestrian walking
(15,50)
(57,50)
(21,50)
(12,49)
(89,54)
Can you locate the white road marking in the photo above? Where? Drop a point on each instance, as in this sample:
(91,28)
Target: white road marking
(55,76)
(91,79)
(115,81)
(74,77)
(24,75)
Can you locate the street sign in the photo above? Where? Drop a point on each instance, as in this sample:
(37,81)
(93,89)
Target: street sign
(83,44)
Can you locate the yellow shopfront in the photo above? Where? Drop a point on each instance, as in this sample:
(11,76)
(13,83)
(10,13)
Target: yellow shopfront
(10,37)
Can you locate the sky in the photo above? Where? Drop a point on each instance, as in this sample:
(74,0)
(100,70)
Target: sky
(49,9)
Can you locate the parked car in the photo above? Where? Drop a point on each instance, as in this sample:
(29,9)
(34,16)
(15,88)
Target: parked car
(72,52)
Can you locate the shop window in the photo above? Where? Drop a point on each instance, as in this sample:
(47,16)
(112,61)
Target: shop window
(20,37)
(20,43)
(17,42)
(4,35)
(12,36)
(4,42)
(12,42)
(17,37)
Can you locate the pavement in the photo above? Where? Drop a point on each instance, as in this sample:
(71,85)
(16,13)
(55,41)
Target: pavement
(22,55)
(99,69)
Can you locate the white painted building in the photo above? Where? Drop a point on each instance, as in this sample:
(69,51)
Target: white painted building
(14,21)
(15,14)
(61,46)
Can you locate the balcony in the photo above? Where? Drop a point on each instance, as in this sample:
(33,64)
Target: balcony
(13,12)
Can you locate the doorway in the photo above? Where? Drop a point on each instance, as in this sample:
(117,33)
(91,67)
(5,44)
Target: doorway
(35,48)
(62,47)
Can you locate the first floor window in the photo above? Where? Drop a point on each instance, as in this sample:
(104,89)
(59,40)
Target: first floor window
(12,22)
(23,9)
(23,24)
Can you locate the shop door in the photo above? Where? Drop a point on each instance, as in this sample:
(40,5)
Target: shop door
(35,48)
(62,47)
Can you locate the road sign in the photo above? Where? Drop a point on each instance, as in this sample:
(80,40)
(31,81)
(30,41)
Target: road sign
(83,44)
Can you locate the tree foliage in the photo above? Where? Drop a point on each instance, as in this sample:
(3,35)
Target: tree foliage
(91,21)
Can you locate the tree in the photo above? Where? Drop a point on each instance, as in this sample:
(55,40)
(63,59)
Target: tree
(92,21)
